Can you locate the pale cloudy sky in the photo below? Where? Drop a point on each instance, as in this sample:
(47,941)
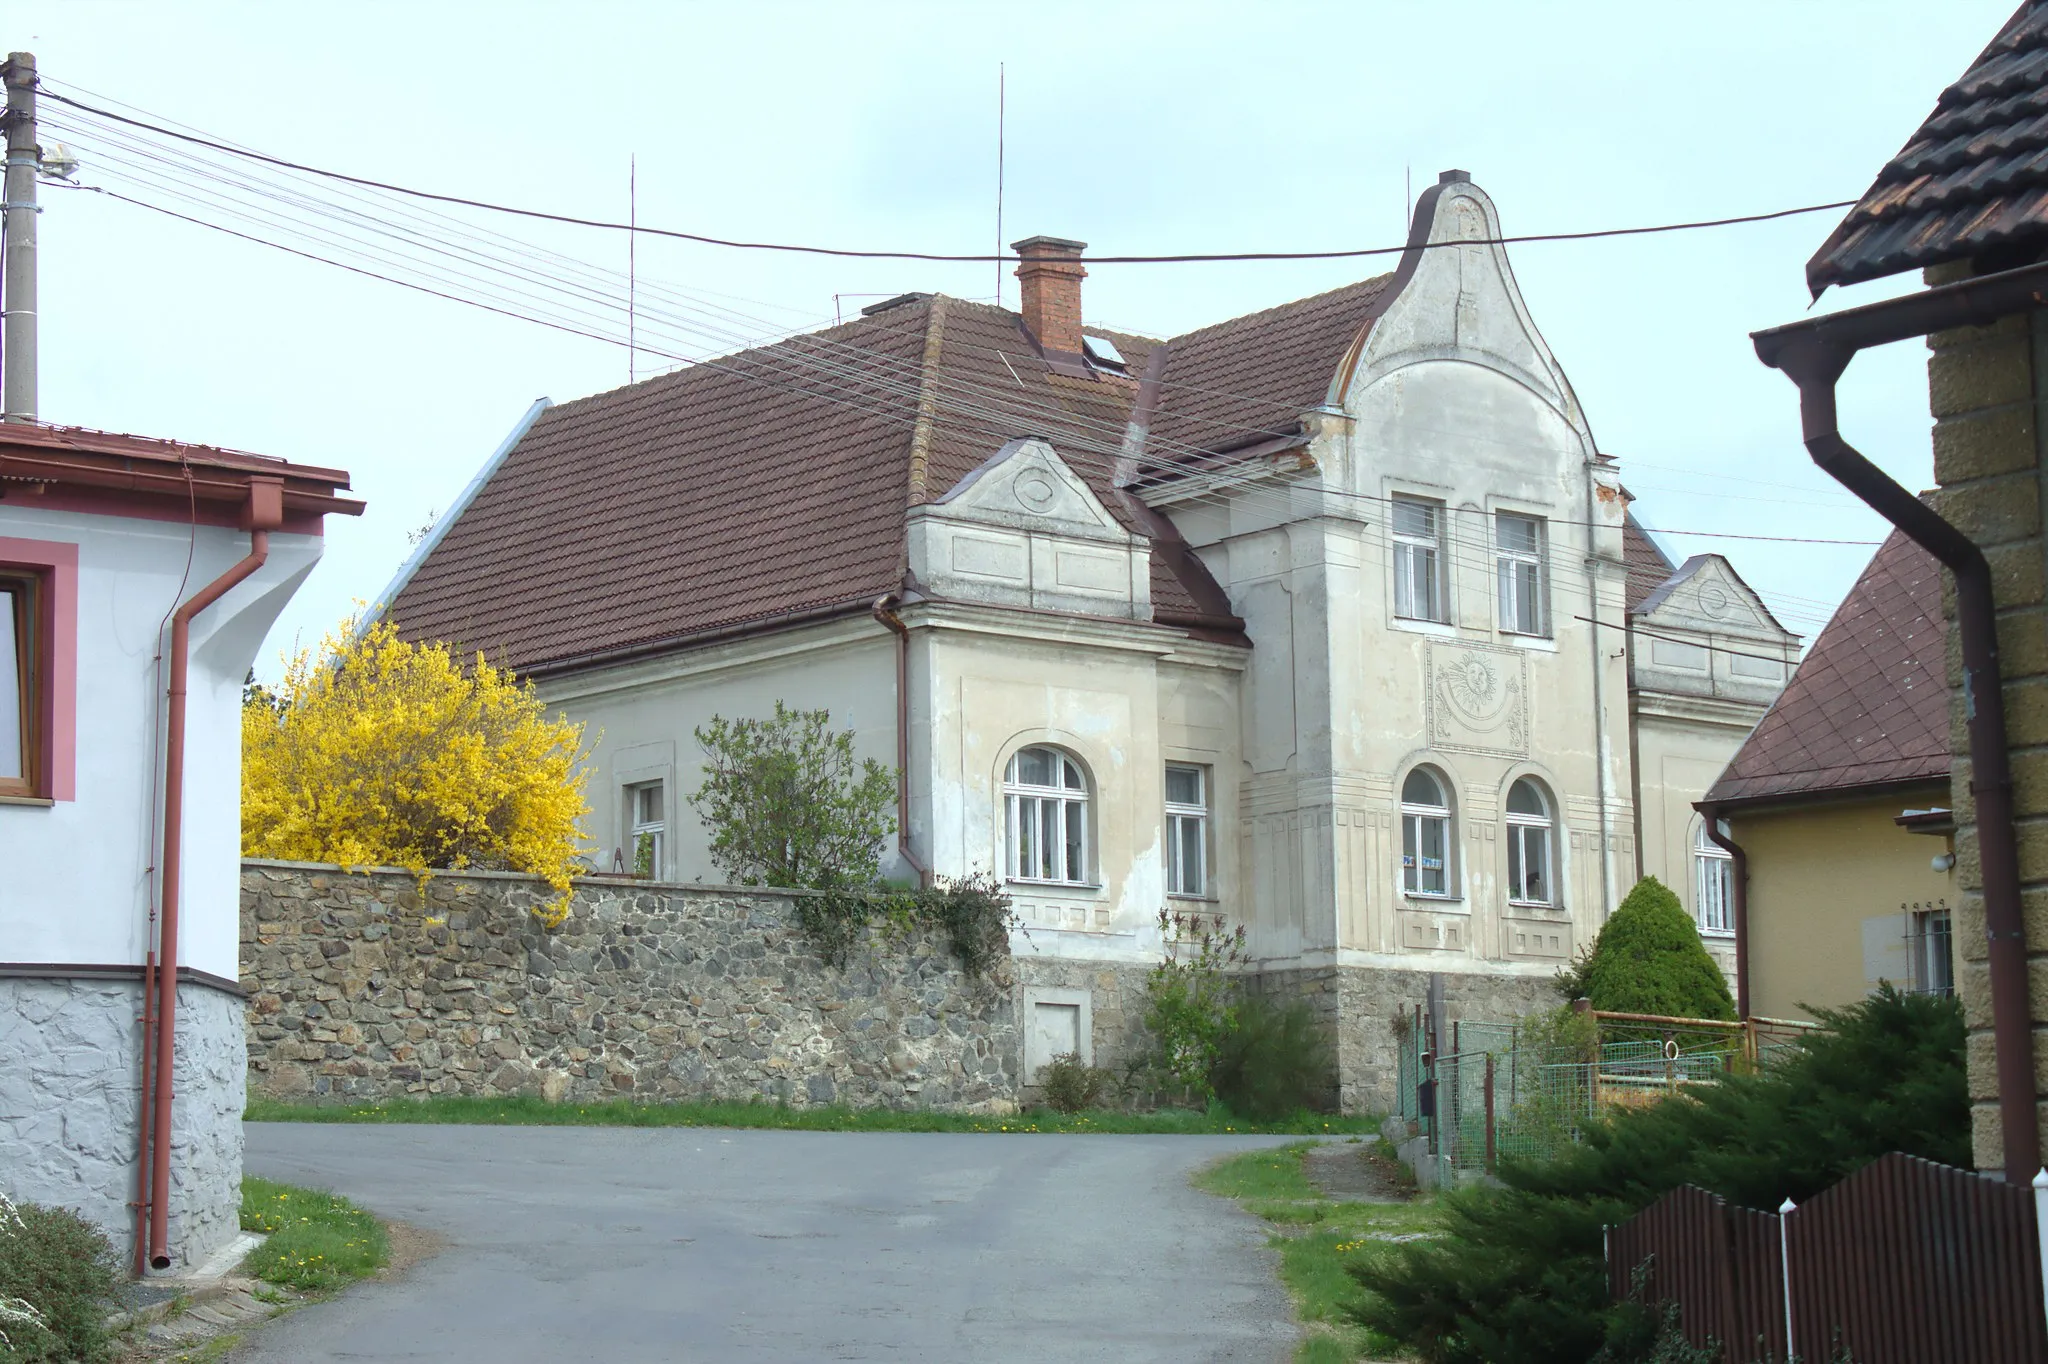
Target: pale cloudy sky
(1140,128)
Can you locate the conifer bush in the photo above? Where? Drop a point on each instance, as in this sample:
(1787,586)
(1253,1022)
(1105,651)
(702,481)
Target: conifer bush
(1648,959)
(380,752)
(1518,1277)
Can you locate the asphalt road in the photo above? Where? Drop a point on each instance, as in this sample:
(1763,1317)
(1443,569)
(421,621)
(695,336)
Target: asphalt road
(695,1244)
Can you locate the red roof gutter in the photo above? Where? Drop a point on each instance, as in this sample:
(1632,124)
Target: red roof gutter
(1813,354)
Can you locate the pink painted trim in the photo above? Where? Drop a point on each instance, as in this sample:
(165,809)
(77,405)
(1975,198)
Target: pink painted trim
(57,560)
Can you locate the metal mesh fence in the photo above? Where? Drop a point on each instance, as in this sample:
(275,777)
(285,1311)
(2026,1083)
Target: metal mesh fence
(1503,1091)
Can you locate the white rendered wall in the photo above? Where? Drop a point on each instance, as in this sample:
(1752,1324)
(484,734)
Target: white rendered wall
(74,876)
(641,720)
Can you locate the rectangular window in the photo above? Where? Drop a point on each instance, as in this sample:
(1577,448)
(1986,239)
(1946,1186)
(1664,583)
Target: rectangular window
(1929,953)
(1424,855)
(1187,831)
(1529,864)
(1047,837)
(1518,544)
(647,828)
(1418,559)
(20,685)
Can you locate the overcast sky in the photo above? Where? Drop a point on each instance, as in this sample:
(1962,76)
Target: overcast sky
(1137,128)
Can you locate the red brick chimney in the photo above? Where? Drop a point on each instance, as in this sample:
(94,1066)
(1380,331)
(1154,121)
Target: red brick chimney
(1051,275)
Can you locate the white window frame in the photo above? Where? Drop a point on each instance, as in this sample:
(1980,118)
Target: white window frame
(1062,808)
(1713,886)
(1186,821)
(1419,562)
(654,830)
(1524,578)
(1415,819)
(1525,832)
(1931,951)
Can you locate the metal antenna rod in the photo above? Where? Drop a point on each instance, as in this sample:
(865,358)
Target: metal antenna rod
(632,265)
(18,337)
(1000,101)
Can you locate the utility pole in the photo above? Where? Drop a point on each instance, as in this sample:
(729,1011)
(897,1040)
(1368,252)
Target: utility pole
(24,158)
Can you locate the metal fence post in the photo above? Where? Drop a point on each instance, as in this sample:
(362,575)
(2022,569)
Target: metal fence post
(1785,1269)
(2041,1230)
(1489,1112)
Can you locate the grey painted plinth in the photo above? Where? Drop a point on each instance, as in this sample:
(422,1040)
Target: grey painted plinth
(70,1103)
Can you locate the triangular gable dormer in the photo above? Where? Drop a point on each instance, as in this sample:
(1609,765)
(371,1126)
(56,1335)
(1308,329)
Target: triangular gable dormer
(1024,530)
(1704,630)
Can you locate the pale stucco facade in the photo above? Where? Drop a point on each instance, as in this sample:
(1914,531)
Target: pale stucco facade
(1030,624)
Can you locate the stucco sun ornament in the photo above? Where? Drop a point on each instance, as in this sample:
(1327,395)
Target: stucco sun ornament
(1481,696)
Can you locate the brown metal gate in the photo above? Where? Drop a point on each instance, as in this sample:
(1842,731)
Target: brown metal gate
(1904,1262)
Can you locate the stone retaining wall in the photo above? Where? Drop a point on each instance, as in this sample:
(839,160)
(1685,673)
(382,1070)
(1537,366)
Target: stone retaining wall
(370,986)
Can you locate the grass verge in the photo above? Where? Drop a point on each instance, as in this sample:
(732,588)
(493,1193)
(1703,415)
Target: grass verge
(627,1113)
(1318,1238)
(318,1241)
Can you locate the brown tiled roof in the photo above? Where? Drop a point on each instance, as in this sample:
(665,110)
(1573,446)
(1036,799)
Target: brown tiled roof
(1249,379)
(1973,180)
(761,486)
(1869,705)
(1648,569)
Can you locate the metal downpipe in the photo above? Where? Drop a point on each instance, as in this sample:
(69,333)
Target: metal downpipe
(1814,355)
(883,611)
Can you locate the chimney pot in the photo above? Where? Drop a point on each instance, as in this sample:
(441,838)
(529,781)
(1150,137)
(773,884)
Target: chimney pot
(1050,276)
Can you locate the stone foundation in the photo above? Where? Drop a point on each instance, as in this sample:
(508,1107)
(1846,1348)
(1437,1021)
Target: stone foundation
(372,987)
(70,1102)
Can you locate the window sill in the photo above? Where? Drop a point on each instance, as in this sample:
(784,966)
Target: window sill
(1718,934)
(1194,899)
(43,801)
(1539,643)
(1421,626)
(1435,900)
(1544,905)
(1052,886)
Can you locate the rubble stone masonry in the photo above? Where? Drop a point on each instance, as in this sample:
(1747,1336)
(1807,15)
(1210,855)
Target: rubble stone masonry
(371,986)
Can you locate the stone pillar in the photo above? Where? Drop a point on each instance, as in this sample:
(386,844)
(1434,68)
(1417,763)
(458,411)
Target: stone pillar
(1985,389)
(70,1100)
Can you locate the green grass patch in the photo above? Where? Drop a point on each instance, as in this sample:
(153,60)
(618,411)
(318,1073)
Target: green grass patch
(536,1112)
(317,1240)
(1318,1239)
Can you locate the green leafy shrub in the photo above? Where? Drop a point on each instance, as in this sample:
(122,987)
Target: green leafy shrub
(1648,959)
(1518,1277)
(973,912)
(1191,997)
(1274,1060)
(59,1278)
(1071,1085)
(316,1240)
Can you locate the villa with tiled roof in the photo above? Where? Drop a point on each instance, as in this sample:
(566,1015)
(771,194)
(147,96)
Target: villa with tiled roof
(1323,619)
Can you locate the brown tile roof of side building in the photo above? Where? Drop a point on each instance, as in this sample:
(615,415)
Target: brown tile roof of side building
(763,486)
(1648,568)
(1868,707)
(1972,182)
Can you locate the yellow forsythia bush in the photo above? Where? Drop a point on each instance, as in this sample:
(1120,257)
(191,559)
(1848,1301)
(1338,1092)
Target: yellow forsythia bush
(377,752)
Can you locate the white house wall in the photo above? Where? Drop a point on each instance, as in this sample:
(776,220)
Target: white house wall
(641,720)
(76,884)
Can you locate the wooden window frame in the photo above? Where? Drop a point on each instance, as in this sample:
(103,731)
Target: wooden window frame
(1184,820)
(29,591)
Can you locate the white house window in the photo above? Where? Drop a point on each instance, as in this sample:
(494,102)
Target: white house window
(19,655)
(1187,830)
(1518,545)
(1530,845)
(1418,559)
(1425,835)
(646,827)
(1929,953)
(1713,884)
(1046,817)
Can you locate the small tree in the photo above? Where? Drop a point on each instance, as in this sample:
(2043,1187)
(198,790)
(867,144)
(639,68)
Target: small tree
(788,804)
(1191,999)
(382,752)
(1648,959)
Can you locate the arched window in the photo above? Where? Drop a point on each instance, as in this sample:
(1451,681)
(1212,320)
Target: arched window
(1425,835)
(1046,807)
(1531,846)
(1713,881)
